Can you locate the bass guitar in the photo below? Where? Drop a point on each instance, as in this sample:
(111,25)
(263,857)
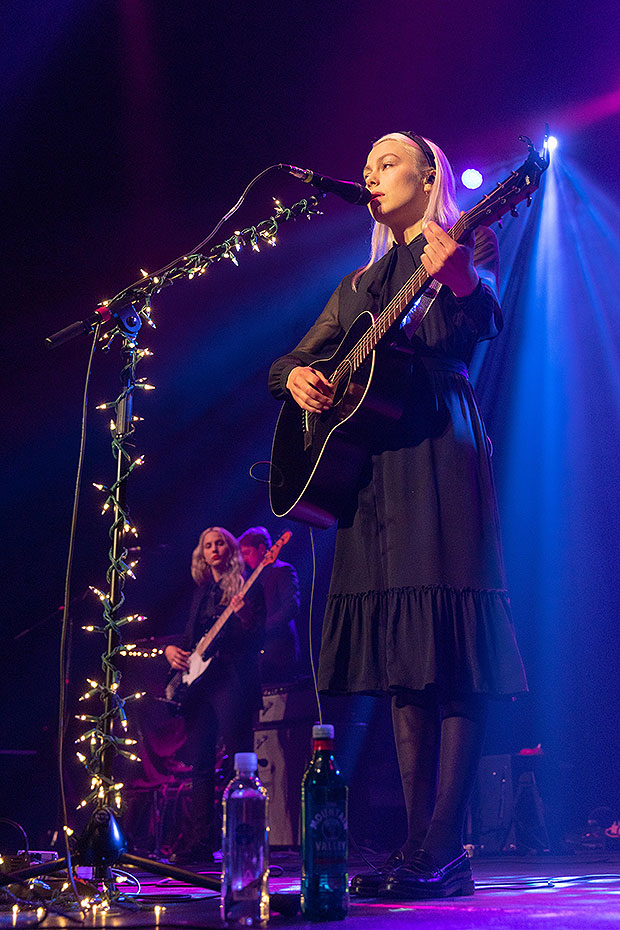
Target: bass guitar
(317,458)
(200,659)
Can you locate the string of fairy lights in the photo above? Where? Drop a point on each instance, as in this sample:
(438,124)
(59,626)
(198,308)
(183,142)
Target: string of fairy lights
(189,266)
(99,739)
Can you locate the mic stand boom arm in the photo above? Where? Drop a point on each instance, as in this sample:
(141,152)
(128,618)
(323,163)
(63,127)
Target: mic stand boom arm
(134,302)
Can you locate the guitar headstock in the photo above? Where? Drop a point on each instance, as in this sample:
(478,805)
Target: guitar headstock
(272,554)
(518,186)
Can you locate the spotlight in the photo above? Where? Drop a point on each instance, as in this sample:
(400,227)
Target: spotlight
(552,143)
(471,178)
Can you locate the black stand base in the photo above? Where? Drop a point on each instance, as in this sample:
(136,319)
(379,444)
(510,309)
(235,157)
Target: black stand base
(102,846)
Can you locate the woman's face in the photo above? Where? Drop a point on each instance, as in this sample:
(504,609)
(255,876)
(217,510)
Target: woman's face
(215,551)
(398,192)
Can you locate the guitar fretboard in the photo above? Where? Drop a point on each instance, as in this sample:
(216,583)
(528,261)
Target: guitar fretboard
(395,309)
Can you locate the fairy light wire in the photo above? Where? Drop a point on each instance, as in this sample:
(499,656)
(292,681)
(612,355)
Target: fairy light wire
(203,242)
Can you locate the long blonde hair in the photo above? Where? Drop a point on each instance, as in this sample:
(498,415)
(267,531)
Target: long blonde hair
(441,208)
(232,579)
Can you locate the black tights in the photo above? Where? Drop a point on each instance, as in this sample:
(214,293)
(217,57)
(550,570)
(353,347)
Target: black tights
(439,744)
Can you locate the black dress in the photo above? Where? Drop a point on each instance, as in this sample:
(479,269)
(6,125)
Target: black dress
(418,594)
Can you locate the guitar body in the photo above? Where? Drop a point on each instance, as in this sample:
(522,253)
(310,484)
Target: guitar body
(317,459)
(177,689)
(197,665)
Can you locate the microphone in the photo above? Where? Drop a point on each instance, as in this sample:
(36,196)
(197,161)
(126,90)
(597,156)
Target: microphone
(350,191)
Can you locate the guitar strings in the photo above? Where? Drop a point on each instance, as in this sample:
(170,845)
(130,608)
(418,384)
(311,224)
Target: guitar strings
(390,313)
(388,316)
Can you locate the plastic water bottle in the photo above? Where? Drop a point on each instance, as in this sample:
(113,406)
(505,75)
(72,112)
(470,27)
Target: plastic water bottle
(245,847)
(324,833)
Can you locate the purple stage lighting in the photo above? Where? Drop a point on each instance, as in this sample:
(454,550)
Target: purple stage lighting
(471,178)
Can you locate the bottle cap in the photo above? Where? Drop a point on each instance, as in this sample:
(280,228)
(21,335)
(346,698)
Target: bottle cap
(322,731)
(246,762)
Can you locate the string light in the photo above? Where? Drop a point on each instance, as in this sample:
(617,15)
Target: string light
(99,735)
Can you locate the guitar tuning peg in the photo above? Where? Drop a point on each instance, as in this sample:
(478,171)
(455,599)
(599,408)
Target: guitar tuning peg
(514,211)
(528,202)
(500,224)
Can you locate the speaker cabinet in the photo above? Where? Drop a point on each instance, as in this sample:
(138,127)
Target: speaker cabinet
(283,753)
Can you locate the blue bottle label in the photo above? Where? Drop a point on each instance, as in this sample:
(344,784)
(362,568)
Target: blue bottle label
(328,834)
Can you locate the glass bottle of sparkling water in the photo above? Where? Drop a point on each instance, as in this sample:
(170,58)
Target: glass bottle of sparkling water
(324,833)
(245,847)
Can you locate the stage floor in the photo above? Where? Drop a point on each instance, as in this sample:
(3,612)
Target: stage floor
(563,893)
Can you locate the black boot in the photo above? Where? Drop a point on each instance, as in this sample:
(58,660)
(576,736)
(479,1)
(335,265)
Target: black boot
(421,877)
(367,884)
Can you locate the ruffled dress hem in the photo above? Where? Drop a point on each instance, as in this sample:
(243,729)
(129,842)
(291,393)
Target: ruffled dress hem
(460,640)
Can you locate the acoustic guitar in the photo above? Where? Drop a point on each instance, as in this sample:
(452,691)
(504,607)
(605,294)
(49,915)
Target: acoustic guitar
(317,458)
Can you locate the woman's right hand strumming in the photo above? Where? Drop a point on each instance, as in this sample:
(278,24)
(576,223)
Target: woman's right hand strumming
(310,389)
(178,658)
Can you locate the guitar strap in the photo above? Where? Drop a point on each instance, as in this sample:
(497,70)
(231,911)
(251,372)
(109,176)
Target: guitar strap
(414,316)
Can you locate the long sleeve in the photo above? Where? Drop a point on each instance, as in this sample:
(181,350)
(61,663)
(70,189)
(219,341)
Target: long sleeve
(481,310)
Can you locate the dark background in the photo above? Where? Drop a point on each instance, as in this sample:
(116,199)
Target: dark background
(129,128)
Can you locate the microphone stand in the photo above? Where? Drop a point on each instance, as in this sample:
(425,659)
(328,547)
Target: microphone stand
(102,844)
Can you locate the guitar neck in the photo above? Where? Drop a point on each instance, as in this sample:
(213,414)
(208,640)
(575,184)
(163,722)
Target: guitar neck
(205,641)
(394,310)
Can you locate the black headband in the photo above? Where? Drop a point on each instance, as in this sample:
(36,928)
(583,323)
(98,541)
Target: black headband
(422,144)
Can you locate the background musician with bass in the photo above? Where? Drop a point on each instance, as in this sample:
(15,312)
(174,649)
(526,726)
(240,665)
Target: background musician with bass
(222,702)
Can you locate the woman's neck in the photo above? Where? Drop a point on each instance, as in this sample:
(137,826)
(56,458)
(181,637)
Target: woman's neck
(404,235)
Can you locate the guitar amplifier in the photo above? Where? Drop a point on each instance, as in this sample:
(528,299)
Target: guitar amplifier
(283,753)
(283,746)
(288,704)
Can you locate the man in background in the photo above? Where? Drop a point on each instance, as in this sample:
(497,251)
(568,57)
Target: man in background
(279,662)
